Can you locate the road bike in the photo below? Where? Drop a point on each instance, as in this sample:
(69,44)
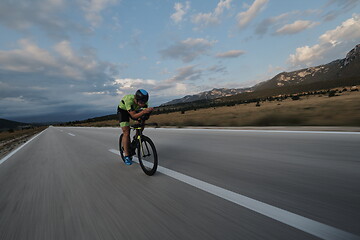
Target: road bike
(143,147)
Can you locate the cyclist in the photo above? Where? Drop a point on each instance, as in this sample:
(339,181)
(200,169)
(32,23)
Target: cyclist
(130,107)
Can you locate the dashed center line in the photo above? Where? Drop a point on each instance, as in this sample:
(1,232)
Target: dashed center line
(304,224)
(71,134)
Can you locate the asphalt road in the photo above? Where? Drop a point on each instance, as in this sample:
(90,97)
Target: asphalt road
(69,183)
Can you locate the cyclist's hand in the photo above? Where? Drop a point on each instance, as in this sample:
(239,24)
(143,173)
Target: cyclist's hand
(148,110)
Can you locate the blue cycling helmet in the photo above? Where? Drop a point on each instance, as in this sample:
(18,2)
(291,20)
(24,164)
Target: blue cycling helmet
(142,95)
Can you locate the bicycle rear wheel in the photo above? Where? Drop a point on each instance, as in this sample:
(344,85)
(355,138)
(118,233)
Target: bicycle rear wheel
(147,155)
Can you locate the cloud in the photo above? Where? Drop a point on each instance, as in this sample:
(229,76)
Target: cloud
(342,6)
(267,23)
(54,80)
(180,11)
(185,74)
(93,8)
(230,54)
(212,18)
(159,91)
(332,44)
(187,50)
(217,69)
(22,15)
(183,82)
(279,22)
(244,18)
(296,27)
(64,84)
(29,58)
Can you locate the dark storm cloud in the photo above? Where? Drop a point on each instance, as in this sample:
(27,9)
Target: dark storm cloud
(38,81)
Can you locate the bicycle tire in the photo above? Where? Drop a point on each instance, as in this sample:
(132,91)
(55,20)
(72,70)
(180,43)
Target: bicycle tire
(148,168)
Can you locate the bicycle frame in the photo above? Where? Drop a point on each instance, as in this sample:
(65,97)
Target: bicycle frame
(139,129)
(138,135)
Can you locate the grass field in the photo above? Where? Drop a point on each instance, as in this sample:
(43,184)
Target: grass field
(313,110)
(343,110)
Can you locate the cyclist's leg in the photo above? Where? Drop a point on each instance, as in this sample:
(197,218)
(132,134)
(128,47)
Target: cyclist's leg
(126,139)
(124,119)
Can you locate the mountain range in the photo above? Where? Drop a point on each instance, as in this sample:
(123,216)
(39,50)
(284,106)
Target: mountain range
(212,94)
(8,124)
(335,72)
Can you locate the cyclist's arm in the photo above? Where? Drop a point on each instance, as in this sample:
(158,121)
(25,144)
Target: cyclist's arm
(135,115)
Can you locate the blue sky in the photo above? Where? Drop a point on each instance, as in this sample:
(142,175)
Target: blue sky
(69,60)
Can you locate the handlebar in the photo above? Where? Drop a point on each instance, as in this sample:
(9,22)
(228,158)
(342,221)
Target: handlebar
(141,121)
(139,125)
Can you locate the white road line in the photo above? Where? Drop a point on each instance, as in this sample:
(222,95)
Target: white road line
(307,225)
(71,134)
(16,150)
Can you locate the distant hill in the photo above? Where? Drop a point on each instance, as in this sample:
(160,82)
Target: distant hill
(92,120)
(8,124)
(212,94)
(334,71)
(341,72)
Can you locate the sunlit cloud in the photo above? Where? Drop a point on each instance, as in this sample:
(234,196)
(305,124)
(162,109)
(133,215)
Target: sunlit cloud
(332,43)
(244,18)
(230,54)
(296,27)
(212,18)
(180,11)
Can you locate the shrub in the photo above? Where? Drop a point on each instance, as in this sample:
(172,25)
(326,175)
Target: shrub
(332,93)
(191,122)
(277,120)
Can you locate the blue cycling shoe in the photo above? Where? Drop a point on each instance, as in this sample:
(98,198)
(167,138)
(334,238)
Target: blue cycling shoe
(127,160)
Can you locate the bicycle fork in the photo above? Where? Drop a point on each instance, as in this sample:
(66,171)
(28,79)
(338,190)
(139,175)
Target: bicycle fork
(142,152)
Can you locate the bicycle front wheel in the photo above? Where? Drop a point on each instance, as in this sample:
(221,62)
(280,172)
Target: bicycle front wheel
(147,156)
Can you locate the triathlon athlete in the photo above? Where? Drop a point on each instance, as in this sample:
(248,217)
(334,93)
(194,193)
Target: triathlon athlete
(130,107)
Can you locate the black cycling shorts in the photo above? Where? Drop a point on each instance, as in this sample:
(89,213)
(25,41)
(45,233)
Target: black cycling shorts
(124,117)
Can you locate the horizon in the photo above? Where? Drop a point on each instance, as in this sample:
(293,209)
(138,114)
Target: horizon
(75,60)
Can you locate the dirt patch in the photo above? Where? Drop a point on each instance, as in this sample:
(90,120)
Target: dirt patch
(10,140)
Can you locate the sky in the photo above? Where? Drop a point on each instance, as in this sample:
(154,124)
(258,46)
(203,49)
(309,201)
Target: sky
(63,60)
